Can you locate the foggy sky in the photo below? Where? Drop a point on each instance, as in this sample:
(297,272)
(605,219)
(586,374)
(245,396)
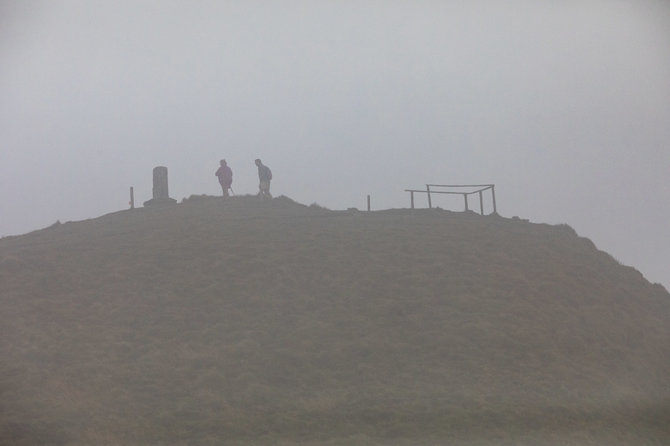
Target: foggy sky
(565,106)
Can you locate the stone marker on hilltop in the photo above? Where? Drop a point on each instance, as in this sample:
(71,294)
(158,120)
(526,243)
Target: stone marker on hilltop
(160,189)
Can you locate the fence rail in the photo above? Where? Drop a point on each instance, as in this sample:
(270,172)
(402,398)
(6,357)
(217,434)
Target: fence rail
(480,189)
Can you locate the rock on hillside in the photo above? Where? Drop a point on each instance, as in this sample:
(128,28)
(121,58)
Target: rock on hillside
(241,321)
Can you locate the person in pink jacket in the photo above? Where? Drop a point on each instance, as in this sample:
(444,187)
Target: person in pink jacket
(225,175)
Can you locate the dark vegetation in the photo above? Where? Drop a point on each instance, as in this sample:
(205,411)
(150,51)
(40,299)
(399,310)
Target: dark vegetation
(248,322)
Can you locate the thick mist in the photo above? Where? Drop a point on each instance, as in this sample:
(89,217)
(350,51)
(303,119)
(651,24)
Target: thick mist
(564,107)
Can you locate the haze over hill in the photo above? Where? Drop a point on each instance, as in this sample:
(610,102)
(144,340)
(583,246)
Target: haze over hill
(251,322)
(563,105)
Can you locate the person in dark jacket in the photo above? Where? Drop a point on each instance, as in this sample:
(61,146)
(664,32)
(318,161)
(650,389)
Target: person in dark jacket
(225,175)
(264,178)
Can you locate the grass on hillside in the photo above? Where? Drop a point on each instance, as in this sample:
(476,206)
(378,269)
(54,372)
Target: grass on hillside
(248,322)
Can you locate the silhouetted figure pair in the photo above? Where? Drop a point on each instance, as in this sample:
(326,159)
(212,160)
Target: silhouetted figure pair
(225,175)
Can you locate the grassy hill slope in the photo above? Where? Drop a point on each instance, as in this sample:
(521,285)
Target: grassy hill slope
(248,322)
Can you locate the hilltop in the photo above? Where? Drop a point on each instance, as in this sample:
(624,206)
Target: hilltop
(250,322)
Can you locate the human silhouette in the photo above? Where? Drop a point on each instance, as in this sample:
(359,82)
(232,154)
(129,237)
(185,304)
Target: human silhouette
(264,178)
(225,175)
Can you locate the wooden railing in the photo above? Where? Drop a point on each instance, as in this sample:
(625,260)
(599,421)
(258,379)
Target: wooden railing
(480,189)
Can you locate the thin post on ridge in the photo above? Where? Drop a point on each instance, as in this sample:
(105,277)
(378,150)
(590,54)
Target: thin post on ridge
(430,203)
(481,201)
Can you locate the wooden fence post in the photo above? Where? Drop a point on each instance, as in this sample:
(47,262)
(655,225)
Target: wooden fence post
(493,194)
(132,198)
(430,203)
(481,202)
(368,203)
(465,196)
(411,198)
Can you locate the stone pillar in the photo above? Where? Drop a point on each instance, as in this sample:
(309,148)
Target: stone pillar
(160,190)
(160,183)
